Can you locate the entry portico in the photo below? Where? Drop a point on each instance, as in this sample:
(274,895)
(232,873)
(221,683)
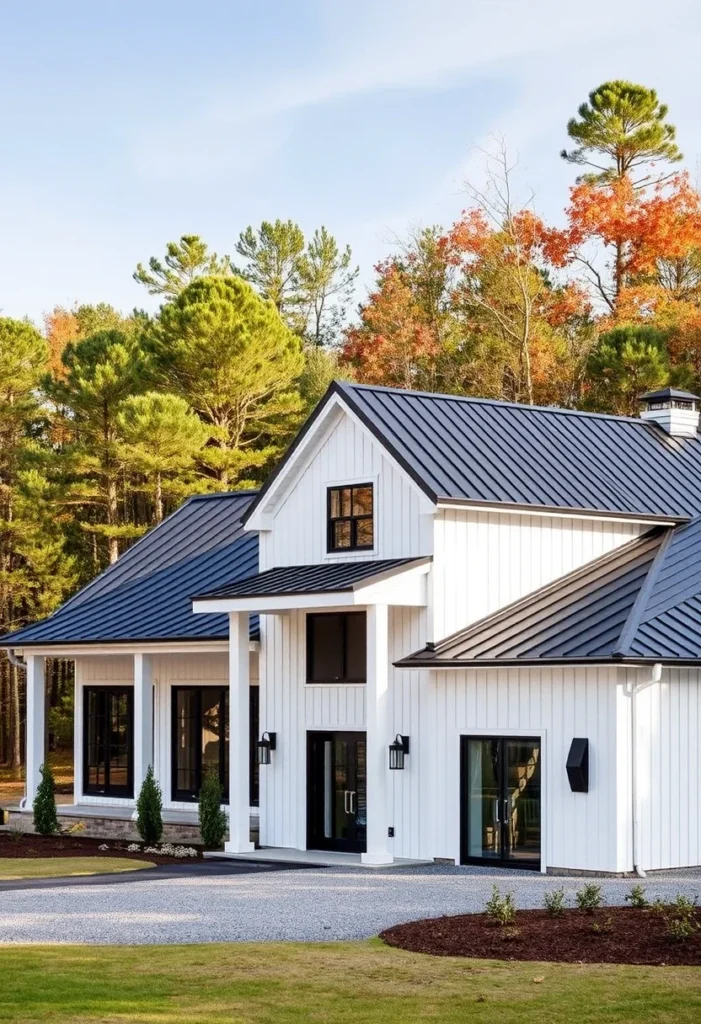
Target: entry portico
(336,589)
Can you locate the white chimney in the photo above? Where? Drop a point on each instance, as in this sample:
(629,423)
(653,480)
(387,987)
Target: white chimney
(674,410)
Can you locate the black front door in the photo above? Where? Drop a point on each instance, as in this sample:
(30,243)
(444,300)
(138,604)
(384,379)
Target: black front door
(500,800)
(336,791)
(108,730)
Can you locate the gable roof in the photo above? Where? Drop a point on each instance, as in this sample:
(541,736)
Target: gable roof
(483,452)
(641,602)
(145,596)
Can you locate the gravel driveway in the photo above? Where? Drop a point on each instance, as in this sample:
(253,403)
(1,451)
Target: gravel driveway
(304,905)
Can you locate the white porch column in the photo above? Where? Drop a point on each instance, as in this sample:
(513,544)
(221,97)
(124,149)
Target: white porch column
(36,724)
(143,718)
(378,738)
(239,739)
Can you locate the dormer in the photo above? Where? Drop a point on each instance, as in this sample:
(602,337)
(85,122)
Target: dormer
(674,410)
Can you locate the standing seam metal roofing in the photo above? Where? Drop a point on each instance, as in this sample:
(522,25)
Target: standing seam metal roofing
(487,452)
(330,577)
(145,596)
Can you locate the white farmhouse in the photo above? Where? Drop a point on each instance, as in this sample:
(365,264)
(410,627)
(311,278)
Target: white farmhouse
(446,628)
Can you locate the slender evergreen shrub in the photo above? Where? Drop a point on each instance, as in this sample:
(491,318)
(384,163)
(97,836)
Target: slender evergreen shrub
(44,806)
(149,809)
(213,822)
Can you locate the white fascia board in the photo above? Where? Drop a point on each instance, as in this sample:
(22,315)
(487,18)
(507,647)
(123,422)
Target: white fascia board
(117,649)
(262,519)
(526,510)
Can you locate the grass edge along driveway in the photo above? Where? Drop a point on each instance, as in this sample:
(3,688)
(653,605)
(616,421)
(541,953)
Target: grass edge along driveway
(15,868)
(349,982)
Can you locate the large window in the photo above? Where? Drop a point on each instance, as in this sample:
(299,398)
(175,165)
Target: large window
(337,648)
(201,739)
(350,518)
(108,726)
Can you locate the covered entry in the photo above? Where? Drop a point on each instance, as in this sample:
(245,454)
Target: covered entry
(500,800)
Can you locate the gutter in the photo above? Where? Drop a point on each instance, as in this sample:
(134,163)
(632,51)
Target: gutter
(631,690)
(14,660)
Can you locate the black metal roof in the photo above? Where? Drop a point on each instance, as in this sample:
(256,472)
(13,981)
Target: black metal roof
(331,577)
(641,602)
(145,596)
(484,452)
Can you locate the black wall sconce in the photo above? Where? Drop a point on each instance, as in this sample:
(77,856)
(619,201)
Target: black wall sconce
(266,743)
(578,766)
(397,752)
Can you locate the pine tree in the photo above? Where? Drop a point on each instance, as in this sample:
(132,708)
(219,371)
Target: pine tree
(229,355)
(625,363)
(44,806)
(626,123)
(160,439)
(149,810)
(212,819)
(184,261)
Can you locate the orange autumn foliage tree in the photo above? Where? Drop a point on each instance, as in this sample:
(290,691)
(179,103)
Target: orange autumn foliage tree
(60,327)
(394,344)
(627,237)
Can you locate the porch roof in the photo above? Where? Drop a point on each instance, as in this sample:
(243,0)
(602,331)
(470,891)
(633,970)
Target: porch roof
(289,586)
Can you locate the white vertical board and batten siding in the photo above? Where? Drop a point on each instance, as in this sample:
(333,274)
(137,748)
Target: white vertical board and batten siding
(290,706)
(485,560)
(669,768)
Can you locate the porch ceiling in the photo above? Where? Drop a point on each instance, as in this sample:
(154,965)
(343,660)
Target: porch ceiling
(399,581)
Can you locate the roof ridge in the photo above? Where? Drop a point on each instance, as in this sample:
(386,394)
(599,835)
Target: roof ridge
(500,402)
(630,626)
(209,495)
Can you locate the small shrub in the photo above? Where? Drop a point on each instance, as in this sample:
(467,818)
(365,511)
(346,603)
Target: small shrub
(213,822)
(683,908)
(501,909)
(603,927)
(637,898)
(149,810)
(555,903)
(680,929)
(16,831)
(44,806)
(589,898)
(511,934)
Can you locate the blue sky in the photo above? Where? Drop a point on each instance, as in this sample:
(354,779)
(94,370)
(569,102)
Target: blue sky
(126,123)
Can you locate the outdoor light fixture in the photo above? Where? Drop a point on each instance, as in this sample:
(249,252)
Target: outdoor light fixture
(397,751)
(263,747)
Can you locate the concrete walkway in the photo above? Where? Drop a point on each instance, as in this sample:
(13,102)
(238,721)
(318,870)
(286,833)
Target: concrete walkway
(309,905)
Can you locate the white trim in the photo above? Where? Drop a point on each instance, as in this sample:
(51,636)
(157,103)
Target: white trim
(120,649)
(525,510)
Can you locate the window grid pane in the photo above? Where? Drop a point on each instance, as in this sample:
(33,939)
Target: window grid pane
(350,518)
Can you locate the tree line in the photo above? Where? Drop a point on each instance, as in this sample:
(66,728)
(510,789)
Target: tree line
(109,420)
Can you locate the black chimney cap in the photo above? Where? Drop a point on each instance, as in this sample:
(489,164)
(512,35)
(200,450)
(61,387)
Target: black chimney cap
(669,394)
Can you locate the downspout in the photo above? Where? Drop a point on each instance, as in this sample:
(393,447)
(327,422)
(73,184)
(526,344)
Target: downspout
(632,690)
(14,660)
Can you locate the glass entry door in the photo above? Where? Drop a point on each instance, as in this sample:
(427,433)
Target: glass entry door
(336,791)
(500,800)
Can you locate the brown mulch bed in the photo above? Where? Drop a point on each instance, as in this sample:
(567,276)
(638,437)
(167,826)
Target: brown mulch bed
(31,845)
(615,935)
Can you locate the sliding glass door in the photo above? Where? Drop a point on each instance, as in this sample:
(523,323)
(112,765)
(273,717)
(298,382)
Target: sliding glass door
(108,726)
(200,738)
(501,800)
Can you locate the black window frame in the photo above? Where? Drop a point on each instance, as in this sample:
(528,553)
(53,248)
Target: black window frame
(312,618)
(352,519)
(108,790)
(184,796)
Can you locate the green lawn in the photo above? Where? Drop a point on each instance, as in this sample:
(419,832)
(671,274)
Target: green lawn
(61,867)
(352,983)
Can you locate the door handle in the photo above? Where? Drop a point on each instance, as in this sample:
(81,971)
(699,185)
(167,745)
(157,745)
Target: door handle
(506,809)
(352,801)
(497,819)
(346,794)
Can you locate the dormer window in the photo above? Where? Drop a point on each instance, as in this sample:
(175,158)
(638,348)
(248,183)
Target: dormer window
(350,518)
